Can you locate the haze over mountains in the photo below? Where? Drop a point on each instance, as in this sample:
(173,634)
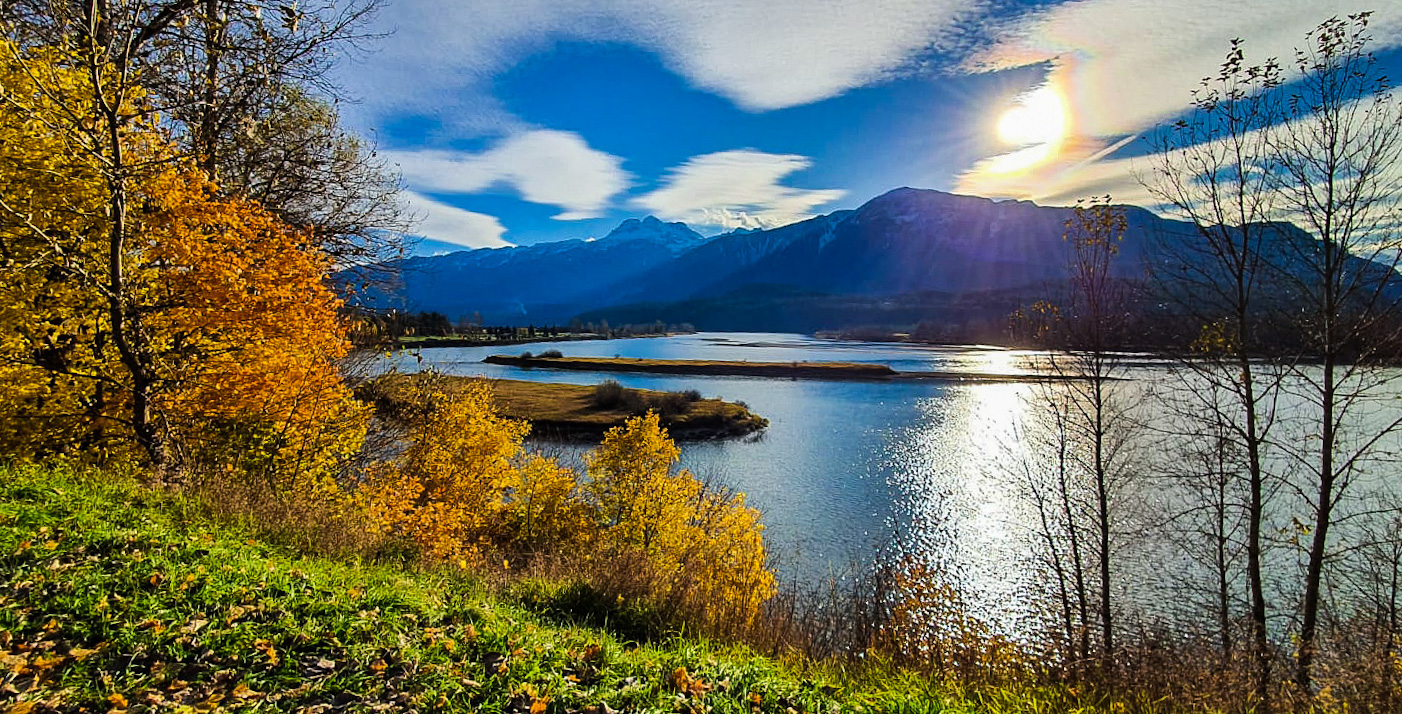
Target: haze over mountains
(905,256)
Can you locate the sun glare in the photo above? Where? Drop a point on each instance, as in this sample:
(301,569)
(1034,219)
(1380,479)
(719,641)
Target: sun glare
(1038,118)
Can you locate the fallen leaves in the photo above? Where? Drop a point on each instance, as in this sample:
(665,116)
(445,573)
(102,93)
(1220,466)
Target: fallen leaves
(684,683)
(267,648)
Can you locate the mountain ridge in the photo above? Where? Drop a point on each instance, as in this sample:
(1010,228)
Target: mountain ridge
(905,253)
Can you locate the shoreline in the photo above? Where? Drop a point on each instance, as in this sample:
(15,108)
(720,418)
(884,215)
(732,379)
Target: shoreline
(832,371)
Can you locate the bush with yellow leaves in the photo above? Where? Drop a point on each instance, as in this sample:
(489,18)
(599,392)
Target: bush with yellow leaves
(700,548)
(465,488)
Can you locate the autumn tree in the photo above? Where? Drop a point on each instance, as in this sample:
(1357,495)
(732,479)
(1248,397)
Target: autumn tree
(447,489)
(221,306)
(466,487)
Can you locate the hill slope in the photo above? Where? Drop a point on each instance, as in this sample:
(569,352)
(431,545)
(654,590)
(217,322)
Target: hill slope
(111,600)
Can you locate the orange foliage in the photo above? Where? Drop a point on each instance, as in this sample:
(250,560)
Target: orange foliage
(250,329)
(235,319)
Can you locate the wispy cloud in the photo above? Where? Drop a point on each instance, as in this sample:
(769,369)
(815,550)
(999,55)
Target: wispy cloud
(1121,78)
(1083,170)
(555,168)
(1130,64)
(442,56)
(736,189)
(450,224)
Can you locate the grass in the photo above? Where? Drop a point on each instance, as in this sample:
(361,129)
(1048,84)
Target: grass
(571,409)
(117,598)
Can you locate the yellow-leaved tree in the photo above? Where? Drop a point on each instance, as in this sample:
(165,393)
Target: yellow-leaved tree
(58,391)
(463,484)
(206,335)
(699,549)
(465,488)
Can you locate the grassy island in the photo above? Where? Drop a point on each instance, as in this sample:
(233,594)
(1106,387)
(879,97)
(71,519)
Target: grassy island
(586,412)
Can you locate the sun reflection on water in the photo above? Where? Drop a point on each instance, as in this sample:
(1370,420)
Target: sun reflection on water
(955,500)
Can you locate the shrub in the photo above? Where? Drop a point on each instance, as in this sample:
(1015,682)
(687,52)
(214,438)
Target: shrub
(527,355)
(609,394)
(695,550)
(551,354)
(670,404)
(463,484)
(692,395)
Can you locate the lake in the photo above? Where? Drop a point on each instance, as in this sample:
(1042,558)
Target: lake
(839,459)
(846,468)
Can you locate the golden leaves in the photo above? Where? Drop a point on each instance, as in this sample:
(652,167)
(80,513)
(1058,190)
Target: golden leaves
(465,484)
(237,323)
(683,683)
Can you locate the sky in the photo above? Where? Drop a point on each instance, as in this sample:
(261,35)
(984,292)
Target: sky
(527,121)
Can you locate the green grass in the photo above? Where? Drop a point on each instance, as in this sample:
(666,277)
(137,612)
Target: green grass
(115,597)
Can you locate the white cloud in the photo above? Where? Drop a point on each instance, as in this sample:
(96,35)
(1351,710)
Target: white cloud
(442,56)
(549,167)
(1127,65)
(451,224)
(736,189)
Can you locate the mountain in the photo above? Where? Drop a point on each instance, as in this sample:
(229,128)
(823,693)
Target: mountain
(708,267)
(542,283)
(906,257)
(907,240)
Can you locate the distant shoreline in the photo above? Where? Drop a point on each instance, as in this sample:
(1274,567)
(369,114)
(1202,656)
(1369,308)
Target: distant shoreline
(837,371)
(430,342)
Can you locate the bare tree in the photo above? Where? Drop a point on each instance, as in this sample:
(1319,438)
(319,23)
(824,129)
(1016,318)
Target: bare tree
(1336,164)
(1291,182)
(1086,432)
(1043,460)
(1206,170)
(247,90)
(244,86)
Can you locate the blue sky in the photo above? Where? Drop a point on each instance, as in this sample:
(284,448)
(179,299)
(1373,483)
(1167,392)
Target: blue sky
(539,120)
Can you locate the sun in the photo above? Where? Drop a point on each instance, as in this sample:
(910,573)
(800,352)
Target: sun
(1038,118)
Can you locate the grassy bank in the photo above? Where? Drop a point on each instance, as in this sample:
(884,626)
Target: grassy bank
(570,410)
(117,598)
